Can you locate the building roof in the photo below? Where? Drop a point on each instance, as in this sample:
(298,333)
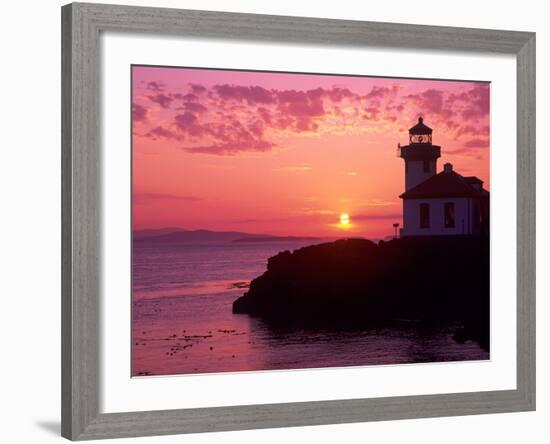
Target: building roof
(472,179)
(420,128)
(448,183)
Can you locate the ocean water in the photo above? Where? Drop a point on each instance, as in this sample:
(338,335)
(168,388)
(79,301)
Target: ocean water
(182,321)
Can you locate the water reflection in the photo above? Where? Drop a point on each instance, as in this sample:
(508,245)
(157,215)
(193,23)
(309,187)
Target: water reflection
(199,334)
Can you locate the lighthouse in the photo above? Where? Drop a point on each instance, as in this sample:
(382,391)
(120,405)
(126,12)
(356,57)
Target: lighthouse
(439,204)
(420,155)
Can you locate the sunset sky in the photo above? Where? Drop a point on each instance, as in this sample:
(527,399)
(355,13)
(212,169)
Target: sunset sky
(288,154)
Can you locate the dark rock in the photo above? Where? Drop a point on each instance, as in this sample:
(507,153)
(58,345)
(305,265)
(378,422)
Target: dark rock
(439,279)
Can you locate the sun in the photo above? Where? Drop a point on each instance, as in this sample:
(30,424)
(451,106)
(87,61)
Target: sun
(344,219)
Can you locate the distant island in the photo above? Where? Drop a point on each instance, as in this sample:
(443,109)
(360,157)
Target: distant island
(177,235)
(356,281)
(180,235)
(153,232)
(277,239)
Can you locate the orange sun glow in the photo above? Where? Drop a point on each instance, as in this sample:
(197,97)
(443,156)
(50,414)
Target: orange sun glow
(344,219)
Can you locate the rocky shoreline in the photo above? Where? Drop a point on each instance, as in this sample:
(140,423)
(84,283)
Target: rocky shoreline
(356,281)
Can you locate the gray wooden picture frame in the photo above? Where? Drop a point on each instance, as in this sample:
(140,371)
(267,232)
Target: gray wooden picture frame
(81,175)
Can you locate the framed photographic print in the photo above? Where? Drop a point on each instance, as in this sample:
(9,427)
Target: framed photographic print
(301,176)
(280,221)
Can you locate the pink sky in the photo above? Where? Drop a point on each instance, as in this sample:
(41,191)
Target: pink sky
(287,154)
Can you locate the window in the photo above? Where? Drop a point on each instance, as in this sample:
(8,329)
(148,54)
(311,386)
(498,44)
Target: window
(424,215)
(426,166)
(449,214)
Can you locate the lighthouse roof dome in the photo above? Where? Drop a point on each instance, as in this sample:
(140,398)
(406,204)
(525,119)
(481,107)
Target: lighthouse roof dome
(420,128)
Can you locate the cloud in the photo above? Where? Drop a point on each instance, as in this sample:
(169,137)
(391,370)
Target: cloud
(283,110)
(160,132)
(459,151)
(478,102)
(185,120)
(163,100)
(399,107)
(194,107)
(198,88)
(349,173)
(359,217)
(303,106)
(232,148)
(477,143)
(190,97)
(265,115)
(381,92)
(188,123)
(375,203)
(251,94)
(139,113)
(474,103)
(317,211)
(156,86)
(463,113)
(471,148)
(430,101)
(225,119)
(371,113)
(256,128)
(140,197)
(337,94)
(235,118)
(471,131)
(245,221)
(225,138)
(297,168)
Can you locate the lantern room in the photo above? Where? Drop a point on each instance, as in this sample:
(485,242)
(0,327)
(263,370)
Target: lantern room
(420,133)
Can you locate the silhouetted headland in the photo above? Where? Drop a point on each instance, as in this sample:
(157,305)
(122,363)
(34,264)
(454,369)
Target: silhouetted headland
(356,281)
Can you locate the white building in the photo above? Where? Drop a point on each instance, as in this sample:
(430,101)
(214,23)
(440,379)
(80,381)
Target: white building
(439,204)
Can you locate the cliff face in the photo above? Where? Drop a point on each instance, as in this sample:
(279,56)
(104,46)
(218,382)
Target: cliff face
(358,281)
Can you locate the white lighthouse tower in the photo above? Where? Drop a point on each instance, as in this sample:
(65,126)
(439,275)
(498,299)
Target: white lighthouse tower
(420,155)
